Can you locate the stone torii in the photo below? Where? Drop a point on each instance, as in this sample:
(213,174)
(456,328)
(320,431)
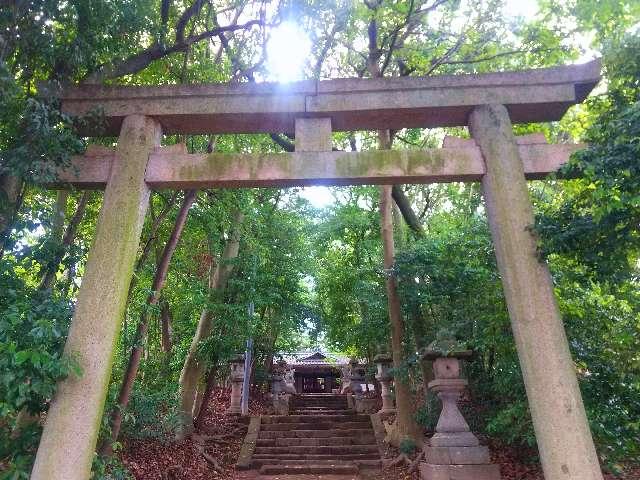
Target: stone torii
(489,104)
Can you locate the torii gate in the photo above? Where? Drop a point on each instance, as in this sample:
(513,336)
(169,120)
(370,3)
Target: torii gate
(487,103)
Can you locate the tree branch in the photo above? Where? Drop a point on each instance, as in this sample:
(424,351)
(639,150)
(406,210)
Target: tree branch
(404,205)
(143,59)
(187,15)
(497,55)
(286,144)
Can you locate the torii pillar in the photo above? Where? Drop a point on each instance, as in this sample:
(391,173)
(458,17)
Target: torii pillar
(559,420)
(70,433)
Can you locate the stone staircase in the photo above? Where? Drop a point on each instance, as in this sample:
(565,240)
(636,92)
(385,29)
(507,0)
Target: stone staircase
(320,436)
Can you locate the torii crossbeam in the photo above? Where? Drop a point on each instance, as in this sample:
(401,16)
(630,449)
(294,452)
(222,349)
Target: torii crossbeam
(487,103)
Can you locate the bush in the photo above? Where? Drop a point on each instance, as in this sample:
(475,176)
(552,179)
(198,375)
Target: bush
(151,414)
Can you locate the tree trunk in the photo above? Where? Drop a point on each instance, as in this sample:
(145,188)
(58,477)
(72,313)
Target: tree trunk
(406,426)
(206,397)
(136,352)
(165,317)
(419,335)
(68,238)
(10,188)
(192,369)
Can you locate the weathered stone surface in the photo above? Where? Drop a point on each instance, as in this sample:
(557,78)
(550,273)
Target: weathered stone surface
(249,444)
(68,441)
(459,472)
(313,134)
(237,377)
(456,455)
(172,169)
(352,104)
(365,405)
(454,439)
(562,432)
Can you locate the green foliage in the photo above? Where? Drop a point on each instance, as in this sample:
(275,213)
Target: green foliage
(109,468)
(408,446)
(32,332)
(513,424)
(349,283)
(596,221)
(33,327)
(151,413)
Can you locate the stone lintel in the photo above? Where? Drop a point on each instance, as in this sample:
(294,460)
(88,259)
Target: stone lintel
(313,134)
(170,168)
(538,95)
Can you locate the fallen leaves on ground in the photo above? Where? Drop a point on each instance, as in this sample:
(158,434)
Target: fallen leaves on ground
(153,459)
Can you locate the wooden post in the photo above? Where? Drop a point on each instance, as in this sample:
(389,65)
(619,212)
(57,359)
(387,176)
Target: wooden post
(70,433)
(564,440)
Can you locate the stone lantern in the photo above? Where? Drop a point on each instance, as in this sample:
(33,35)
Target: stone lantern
(453,452)
(280,393)
(357,377)
(345,385)
(383,363)
(276,383)
(237,378)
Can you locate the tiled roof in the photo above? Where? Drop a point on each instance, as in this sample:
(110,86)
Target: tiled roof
(312,357)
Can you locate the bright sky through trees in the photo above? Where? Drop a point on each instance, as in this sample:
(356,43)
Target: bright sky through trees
(287,51)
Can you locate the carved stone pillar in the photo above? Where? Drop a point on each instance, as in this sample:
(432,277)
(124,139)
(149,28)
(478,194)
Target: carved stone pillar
(383,363)
(237,377)
(453,452)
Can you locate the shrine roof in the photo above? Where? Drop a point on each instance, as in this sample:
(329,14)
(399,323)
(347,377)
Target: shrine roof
(313,358)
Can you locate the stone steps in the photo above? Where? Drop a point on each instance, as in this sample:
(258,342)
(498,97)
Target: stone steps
(366,439)
(265,434)
(318,449)
(302,419)
(317,411)
(361,462)
(321,436)
(316,426)
(286,458)
(310,469)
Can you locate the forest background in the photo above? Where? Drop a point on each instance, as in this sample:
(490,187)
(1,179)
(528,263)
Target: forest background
(216,267)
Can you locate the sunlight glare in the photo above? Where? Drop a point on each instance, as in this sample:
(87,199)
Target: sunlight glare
(287,52)
(318,196)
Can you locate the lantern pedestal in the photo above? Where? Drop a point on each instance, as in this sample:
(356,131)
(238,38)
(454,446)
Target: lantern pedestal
(454,452)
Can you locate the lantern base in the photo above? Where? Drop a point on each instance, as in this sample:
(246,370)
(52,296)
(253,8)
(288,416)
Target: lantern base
(458,463)
(454,439)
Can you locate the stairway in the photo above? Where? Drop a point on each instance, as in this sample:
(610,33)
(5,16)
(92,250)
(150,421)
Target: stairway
(320,436)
